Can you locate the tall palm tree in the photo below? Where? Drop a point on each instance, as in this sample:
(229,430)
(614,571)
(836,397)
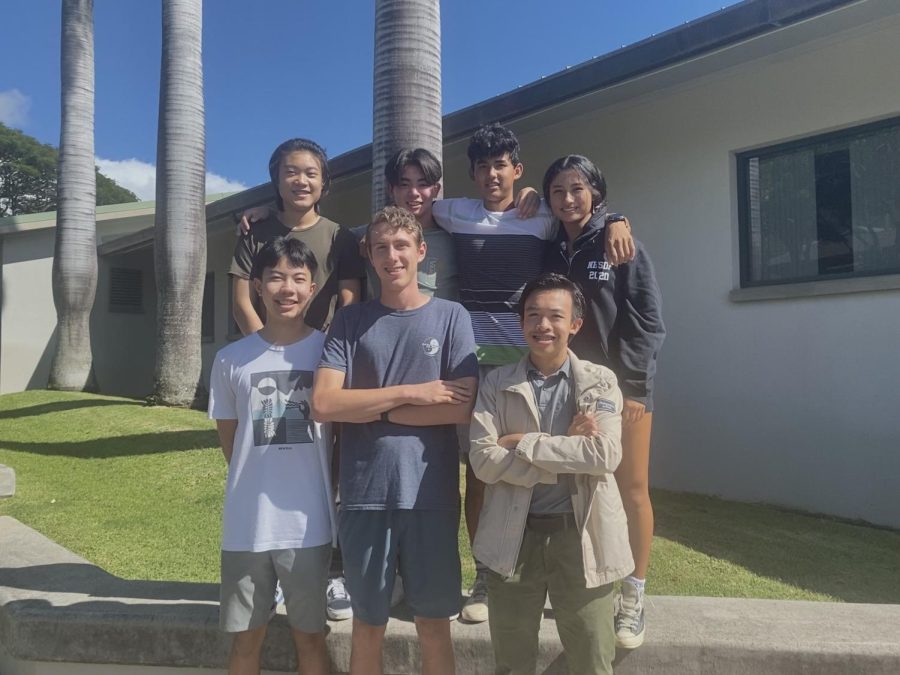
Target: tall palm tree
(180,241)
(407,93)
(75,256)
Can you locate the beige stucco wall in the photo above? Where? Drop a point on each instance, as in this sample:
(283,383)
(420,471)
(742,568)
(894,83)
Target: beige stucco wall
(28,322)
(786,401)
(29,317)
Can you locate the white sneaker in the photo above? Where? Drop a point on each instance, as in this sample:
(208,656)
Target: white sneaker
(476,610)
(279,595)
(337,600)
(630,617)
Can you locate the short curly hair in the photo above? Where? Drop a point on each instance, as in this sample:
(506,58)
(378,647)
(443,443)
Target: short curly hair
(396,219)
(492,140)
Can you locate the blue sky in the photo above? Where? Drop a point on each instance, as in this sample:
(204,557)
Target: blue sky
(275,69)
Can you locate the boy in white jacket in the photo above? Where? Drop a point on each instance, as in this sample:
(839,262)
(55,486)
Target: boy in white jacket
(546,438)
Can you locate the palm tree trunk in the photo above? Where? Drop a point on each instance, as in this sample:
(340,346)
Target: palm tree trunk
(75,256)
(180,242)
(407,94)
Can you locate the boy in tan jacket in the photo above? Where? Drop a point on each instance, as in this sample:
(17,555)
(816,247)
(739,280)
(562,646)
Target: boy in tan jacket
(546,438)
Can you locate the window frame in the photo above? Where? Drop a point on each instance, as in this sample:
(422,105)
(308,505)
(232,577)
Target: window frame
(743,201)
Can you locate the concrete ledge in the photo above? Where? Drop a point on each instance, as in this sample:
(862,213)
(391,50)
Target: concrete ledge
(57,607)
(7,481)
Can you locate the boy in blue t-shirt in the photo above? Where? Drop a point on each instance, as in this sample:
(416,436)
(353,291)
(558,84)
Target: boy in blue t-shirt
(399,373)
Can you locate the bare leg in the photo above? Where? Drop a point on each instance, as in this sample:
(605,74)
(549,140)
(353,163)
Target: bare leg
(246,648)
(365,652)
(634,483)
(437,650)
(312,659)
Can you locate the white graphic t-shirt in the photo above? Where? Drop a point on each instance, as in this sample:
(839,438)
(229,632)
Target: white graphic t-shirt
(278,492)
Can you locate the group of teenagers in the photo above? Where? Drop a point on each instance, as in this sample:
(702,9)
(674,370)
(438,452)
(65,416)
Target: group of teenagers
(514,333)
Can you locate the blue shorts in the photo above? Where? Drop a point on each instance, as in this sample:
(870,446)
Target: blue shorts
(421,544)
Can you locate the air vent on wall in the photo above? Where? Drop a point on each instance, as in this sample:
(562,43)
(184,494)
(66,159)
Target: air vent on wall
(126,290)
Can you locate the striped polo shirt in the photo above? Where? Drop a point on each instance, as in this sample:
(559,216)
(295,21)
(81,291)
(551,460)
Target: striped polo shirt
(497,254)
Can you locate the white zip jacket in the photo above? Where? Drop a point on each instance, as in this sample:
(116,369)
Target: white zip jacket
(506,405)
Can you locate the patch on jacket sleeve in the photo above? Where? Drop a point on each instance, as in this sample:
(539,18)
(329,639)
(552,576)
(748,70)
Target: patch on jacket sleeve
(604,405)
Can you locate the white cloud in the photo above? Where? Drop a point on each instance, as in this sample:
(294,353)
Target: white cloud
(131,174)
(14,107)
(140,177)
(216,183)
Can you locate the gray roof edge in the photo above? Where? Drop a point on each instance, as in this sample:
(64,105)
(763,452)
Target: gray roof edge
(708,33)
(714,31)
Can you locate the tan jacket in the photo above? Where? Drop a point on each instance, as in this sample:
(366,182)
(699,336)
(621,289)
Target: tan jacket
(506,405)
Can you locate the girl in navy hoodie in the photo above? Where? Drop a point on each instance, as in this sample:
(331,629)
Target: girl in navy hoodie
(622,330)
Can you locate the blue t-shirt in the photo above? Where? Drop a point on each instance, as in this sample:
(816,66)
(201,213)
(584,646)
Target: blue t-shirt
(393,466)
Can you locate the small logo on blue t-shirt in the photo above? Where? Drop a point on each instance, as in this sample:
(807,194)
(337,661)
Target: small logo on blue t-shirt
(431,347)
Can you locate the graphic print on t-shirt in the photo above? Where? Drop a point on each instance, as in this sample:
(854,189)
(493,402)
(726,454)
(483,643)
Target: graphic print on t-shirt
(279,400)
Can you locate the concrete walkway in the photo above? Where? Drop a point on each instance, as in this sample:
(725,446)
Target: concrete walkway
(58,610)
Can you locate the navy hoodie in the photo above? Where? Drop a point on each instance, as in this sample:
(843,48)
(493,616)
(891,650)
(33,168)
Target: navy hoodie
(623,327)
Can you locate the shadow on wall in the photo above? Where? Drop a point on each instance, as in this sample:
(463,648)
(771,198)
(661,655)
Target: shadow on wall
(122,446)
(817,553)
(41,374)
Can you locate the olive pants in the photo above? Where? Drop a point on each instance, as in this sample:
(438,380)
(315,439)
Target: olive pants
(550,563)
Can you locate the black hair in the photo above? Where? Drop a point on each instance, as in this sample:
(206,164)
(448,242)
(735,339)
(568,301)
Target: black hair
(492,140)
(550,281)
(297,253)
(589,172)
(298,145)
(420,158)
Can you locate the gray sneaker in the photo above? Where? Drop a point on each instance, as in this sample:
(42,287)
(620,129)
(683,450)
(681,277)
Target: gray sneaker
(476,610)
(630,617)
(337,600)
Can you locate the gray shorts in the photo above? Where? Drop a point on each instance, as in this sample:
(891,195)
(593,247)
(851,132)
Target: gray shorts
(248,587)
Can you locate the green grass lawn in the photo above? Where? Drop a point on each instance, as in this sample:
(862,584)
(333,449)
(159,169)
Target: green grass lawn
(138,491)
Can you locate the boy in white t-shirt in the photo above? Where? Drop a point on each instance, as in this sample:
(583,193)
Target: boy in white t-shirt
(278,522)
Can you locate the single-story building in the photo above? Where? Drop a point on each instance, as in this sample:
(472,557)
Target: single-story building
(757,153)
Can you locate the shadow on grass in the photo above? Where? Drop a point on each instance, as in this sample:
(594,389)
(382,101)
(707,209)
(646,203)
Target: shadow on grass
(851,562)
(121,446)
(60,406)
